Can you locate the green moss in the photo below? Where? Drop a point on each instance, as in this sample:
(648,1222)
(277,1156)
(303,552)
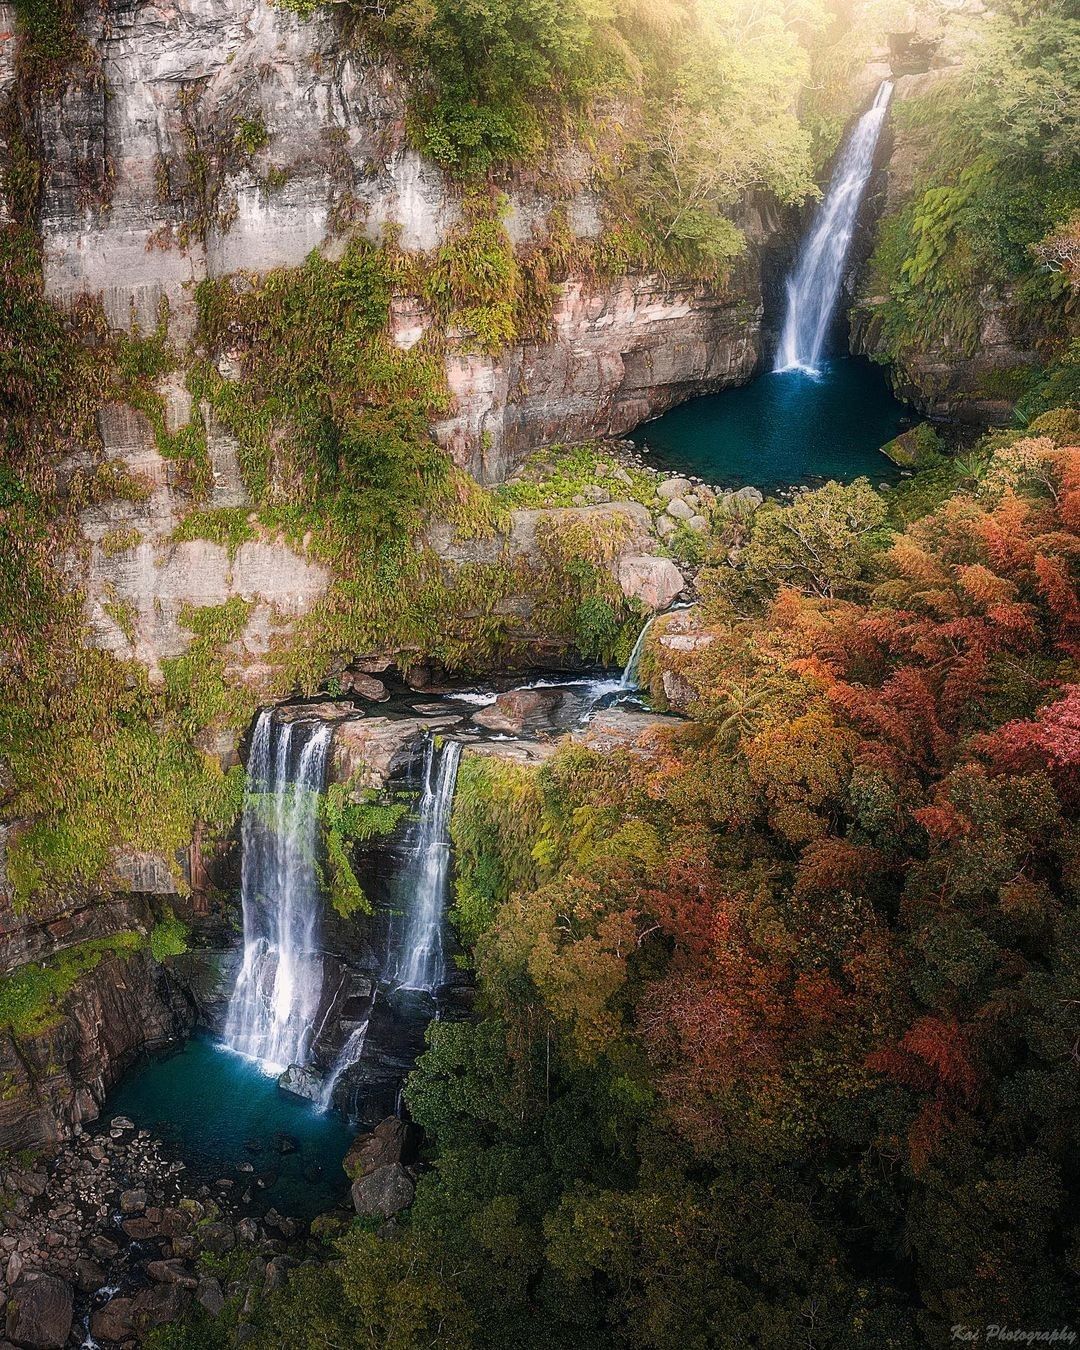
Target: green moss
(122,613)
(225,525)
(251,134)
(558,474)
(168,937)
(31,997)
(347,823)
(120,540)
(495,818)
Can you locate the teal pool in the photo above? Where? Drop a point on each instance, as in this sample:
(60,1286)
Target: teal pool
(219,1111)
(784,430)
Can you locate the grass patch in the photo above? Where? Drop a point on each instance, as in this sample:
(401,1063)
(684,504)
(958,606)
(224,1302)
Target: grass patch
(31,997)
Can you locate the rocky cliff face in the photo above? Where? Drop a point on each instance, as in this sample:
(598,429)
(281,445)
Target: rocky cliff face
(57,1077)
(619,353)
(204,139)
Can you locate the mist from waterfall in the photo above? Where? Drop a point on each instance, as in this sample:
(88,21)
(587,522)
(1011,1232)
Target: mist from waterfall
(813,287)
(425,877)
(273,1006)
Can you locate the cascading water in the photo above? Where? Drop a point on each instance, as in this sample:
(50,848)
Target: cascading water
(630,673)
(277,993)
(426,874)
(349,1053)
(813,288)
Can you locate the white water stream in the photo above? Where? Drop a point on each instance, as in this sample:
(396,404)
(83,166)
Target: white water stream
(426,875)
(813,287)
(276,998)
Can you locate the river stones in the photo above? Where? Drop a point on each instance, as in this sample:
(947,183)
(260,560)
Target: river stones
(39,1312)
(362,685)
(671,488)
(300,1081)
(388,1143)
(132,1202)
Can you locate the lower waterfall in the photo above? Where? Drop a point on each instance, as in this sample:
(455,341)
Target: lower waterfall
(425,878)
(277,991)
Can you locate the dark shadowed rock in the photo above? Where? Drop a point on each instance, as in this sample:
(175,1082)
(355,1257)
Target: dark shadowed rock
(210,1295)
(89,1275)
(382,1193)
(362,685)
(132,1202)
(114,1322)
(39,1312)
(387,1143)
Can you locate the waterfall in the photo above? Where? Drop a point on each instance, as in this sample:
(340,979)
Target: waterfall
(349,1053)
(426,874)
(277,993)
(630,673)
(814,285)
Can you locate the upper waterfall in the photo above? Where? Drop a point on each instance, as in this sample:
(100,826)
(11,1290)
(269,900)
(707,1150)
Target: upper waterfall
(814,284)
(277,992)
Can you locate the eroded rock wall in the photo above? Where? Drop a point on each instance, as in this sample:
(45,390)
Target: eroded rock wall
(58,1077)
(208,137)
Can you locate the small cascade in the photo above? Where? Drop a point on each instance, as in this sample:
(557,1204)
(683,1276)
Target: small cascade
(426,875)
(630,673)
(348,1055)
(279,986)
(813,287)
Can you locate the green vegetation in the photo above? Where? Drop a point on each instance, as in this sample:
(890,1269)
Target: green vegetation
(999,184)
(346,823)
(168,937)
(558,475)
(770,1026)
(31,996)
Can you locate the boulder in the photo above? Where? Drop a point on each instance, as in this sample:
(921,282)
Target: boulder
(210,1295)
(115,1321)
(132,1202)
(218,1238)
(89,1274)
(619,729)
(517,708)
(386,1144)
(698,523)
(366,751)
(383,1192)
(671,488)
(654,581)
(39,1312)
(171,1272)
(364,686)
(326,711)
(679,509)
(300,1081)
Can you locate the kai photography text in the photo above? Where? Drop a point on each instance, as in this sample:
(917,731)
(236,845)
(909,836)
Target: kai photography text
(993,1334)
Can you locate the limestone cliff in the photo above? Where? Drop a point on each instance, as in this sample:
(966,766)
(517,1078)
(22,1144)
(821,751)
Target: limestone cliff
(201,140)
